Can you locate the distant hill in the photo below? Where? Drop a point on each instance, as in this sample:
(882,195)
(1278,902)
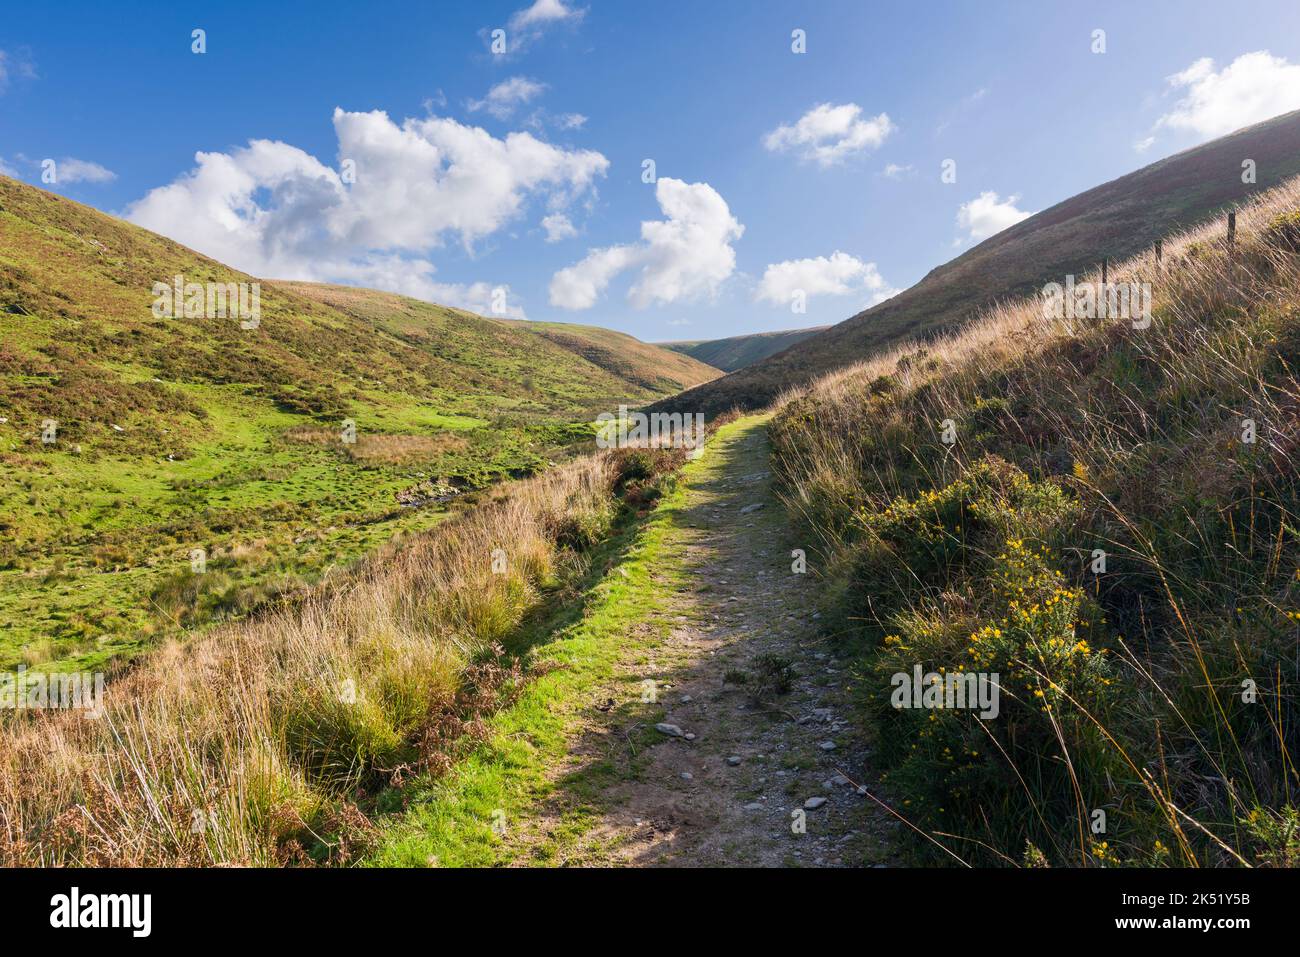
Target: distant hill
(736,352)
(1117,219)
(652,365)
(174,434)
(481,342)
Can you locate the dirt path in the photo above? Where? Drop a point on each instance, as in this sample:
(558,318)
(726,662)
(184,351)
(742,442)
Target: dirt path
(754,778)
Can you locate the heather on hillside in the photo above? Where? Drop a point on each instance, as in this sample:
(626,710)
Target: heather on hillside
(1104,513)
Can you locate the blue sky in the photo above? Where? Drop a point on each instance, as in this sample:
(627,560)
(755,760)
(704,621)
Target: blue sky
(457,191)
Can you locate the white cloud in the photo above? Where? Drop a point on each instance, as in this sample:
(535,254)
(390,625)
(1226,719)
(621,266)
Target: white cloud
(686,256)
(414,277)
(558,227)
(476,297)
(894,171)
(1144,144)
(8,170)
(527,25)
(580,285)
(542,14)
(502,100)
(70,170)
(1254,87)
(540,118)
(838,275)
(986,215)
(830,134)
(273,210)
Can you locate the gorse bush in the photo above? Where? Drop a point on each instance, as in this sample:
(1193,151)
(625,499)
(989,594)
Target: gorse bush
(962,579)
(1114,532)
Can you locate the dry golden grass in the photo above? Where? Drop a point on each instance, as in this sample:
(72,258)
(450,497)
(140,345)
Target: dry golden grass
(1135,435)
(1196,284)
(231,748)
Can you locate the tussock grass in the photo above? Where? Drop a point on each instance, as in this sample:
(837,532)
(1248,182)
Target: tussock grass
(1122,691)
(251,744)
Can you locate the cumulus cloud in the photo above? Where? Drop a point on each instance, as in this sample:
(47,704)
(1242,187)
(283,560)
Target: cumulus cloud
(683,257)
(1254,87)
(273,210)
(558,227)
(542,14)
(70,170)
(66,170)
(829,134)
(415,277)
(580,285)
(986,214)
(837,275)
(504,98)
(527,25)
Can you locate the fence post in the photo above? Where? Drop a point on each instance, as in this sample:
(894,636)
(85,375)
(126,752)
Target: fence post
(1232,227)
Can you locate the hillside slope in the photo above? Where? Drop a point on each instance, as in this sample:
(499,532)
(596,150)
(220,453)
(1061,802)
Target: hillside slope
(1103,517)
(177,434)
(1114,220)
(506,352)
(736,352)
(649,364)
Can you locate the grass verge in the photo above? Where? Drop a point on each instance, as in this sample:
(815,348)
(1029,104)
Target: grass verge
(472,816)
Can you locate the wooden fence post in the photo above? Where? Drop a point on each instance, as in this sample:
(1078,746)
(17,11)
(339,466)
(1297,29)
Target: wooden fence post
(1232,227)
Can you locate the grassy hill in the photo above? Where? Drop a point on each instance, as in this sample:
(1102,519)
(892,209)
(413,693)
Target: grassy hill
(177,434)
(654,366)
(736,352)
(541,360)
(1114,220)
(1114,531)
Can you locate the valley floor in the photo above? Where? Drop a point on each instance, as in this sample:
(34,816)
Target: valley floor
(703,605)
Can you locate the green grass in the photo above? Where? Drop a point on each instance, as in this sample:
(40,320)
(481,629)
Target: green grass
(617,616)
(95,525)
